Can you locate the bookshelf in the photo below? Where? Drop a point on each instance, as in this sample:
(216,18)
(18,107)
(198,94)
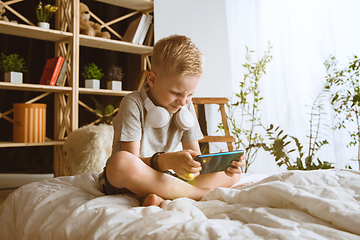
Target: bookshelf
(46,143)
(142,5)
(114,45)
(34,32)
(34,87)
(65,35)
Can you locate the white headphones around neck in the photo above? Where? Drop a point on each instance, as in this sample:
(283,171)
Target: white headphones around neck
(158,117)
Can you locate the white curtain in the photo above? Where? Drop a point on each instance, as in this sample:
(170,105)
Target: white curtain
(303,35)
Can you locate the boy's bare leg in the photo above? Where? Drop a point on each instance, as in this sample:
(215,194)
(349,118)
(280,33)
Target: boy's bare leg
(215,180)
(151,200)
(211,180)
(125,170)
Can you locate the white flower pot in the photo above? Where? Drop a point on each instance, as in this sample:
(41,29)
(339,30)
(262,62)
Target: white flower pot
(92,83)
(114,85)
(44,25)
(14,77)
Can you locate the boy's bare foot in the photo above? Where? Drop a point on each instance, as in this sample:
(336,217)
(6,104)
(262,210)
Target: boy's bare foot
(152,200)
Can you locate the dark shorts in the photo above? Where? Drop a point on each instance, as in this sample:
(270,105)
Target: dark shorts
(110,189)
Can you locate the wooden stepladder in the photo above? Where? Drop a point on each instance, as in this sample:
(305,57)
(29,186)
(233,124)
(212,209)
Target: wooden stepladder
(221,102)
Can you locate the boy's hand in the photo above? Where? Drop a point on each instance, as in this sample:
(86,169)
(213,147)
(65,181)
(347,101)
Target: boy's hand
(184,165)
(235,166)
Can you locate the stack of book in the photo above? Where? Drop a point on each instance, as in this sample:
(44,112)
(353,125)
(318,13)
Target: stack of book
(140,30)
(54,72)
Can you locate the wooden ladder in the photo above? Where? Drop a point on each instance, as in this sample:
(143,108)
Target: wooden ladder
(221,102)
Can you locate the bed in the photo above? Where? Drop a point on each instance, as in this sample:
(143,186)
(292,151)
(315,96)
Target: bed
(320,204)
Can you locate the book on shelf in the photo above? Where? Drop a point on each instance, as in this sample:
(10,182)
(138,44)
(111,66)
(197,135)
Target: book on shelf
(149,39)
(137,29)
(130,31)
(133,29)
(145,29)
(140,29)
(51,71)
(61,78)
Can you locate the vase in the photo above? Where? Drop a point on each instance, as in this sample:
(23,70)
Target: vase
(29,122)
(114,85)
(92,83)
(44,25)
(14,77)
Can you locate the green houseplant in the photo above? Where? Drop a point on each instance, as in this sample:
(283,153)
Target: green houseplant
(13,66)
(105,114)
(92,74)
(244,113)
(344,85)
(246,125)
(114,77)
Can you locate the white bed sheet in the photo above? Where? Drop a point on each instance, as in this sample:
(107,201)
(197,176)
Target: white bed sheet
(322,204)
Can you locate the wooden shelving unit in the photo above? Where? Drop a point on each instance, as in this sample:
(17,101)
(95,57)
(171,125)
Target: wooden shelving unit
(46,143)
(103,92)
(114,45)
(34,87)
(141,5)
(34,32)
(67,44)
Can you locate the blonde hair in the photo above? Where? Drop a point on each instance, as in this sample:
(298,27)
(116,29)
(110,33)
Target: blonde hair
(177,55)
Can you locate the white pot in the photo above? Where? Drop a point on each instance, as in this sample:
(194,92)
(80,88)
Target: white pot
(92,83)
(114,85)
(14,77)
(44,25)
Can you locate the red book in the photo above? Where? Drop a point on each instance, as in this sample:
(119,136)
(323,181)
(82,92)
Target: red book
(51,71)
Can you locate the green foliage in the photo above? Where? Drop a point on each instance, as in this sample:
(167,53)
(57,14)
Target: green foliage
(92,71)
(246,109)
(277,146)
(105,114)
(316,140)
(309,159)
(345,99)
(12,63)
(246,126)
(315,136)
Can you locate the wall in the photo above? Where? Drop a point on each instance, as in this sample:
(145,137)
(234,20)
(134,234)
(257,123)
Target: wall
(204,21)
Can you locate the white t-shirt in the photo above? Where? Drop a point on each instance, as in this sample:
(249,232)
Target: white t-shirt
(130,125)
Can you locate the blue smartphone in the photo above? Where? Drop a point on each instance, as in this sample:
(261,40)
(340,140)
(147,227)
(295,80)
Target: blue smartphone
(217,162)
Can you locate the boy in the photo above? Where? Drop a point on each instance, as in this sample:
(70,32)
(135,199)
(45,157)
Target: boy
(143,154)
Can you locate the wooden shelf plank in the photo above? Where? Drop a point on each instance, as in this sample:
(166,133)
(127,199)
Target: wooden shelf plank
(103,92)
(114,45)
(47,143)
(217,139)
(131,4)
(34,32)
(209,100)
(33,87)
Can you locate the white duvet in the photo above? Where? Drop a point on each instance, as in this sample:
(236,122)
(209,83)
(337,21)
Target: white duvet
(320,204)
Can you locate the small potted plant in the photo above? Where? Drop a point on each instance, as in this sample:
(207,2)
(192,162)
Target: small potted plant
(92,74)
(44,13)
(13,66)
(114,77)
